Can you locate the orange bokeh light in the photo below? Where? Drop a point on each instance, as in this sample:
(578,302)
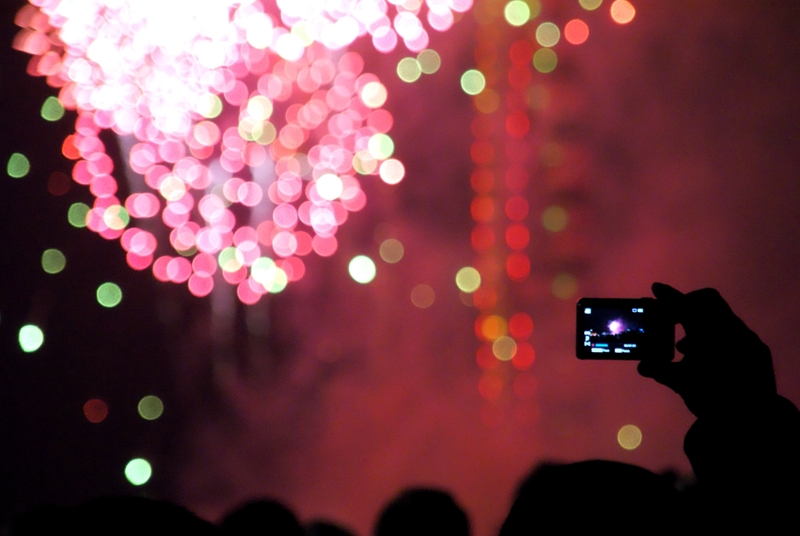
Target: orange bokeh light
(622,11)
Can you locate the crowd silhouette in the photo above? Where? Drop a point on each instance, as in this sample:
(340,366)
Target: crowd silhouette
(743,448)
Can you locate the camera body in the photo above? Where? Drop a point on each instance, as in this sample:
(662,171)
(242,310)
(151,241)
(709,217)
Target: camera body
(623,328)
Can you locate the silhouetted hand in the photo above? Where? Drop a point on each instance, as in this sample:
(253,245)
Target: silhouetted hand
(725,366)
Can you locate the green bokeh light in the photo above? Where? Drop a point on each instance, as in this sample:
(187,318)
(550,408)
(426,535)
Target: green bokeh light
(18,166)
(517,13)
(150,408)
(138,471)
(53,261)
(269,275)
(473,82)
(209,106)
(548,34)
(380,146)
(555,218)
(545,60)
(52,109)
(590,5)
(109,295)
(362,269)
(31,338)
(409,70)
(77,214)
(429,61)
(468,279)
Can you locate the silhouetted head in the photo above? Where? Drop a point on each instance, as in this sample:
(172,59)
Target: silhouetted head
(422,512)
(264,518)
(593,494)
(326,528)
(133,516)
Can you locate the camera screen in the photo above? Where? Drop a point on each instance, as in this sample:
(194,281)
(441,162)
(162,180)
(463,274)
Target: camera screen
(613,329)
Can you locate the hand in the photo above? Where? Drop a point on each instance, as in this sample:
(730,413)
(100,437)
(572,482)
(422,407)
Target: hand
(725,367)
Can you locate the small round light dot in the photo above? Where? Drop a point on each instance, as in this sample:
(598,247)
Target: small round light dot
(52,109)
(473,82)
(391,250)
(53,261)
(548,34)
(109,295)
(555,219)
(517,13)
(422,296)
(77,214)
(504,348)
(622,11)
(150,408)
(31,338)
(138,471)
(362,269)
(545,60)
(564,286)
(468,279)
(374,94)
(576,32)
(409,70)
(95,410)
(590,5)
(629,437)
(429,61)
(18,166)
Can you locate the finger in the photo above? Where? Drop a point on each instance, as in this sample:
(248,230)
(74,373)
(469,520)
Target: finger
(665,373)
(670,299)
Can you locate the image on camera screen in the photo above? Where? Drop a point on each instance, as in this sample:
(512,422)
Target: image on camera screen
(613,330)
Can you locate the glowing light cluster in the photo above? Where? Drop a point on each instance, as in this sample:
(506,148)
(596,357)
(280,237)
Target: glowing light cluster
(248,132)
(336,24)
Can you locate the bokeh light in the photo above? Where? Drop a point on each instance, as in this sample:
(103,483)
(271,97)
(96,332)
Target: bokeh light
(504,348)
(520,326)
(150,408)
(555,218)
(473,82)
(548,34)
(362,269)
(423,296)
(545,60)
(53,261)
(491,327)
(58,183)
(77,214)
(95,410)
(429,61)
(517,13)
(576,32)
(391,250)
(109,295)
(590,5)
(52,109)
(629,437)
(468,279)
(31,338)
(409,70)
(18,166)
(138,471)
(564,286)
(622,11)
